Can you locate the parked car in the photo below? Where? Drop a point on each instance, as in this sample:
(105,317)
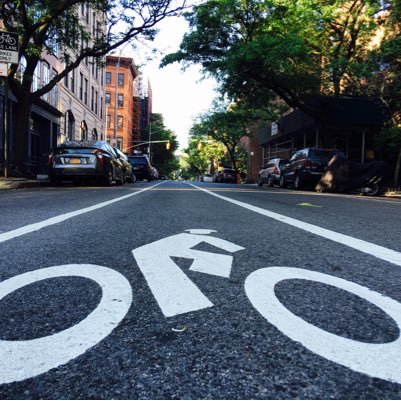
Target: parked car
(305,167)
(270,173)
(84,160)
(226,175)
(142,167)
(207,177)
(128,171)
(155,174)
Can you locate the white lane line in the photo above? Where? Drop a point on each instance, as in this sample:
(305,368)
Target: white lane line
(62,217)
(377,251)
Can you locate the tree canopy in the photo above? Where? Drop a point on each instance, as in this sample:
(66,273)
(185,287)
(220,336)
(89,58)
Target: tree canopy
(162,156)
(264,49)
(60,26)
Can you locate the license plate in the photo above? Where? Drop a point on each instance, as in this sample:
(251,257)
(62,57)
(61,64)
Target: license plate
(75,160)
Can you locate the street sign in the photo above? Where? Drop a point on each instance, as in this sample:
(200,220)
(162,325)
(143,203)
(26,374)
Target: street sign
(8,47)
(3,69)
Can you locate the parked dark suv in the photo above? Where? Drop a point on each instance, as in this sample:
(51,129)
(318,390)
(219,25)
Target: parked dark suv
(141,167)
(305,167)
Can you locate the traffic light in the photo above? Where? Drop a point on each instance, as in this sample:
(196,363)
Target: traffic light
(168,145)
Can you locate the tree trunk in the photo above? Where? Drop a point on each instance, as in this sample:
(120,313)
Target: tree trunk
(20,136)
(397,170)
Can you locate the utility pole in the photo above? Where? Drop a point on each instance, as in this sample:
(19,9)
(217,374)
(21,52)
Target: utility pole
(150,141)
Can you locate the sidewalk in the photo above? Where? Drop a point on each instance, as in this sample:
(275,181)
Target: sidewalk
(21,183)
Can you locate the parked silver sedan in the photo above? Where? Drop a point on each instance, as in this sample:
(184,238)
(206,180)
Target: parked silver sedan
(85,160)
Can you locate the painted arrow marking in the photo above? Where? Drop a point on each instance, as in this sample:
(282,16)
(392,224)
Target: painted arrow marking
(173,290)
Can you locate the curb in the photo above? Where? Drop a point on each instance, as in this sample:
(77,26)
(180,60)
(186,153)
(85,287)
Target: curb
(19,184)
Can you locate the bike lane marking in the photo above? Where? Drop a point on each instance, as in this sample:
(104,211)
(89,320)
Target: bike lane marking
(62,217)
(377,251)
(24,359)
(378,360)
(174,292)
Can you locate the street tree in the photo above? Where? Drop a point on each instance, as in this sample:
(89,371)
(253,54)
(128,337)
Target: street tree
(261,50)
(203,153)
(227,126)
(44,25)
(163,156)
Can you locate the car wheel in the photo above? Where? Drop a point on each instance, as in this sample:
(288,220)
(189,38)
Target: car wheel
(283,184)
(122,180)
(370,189)
(108,179)
(55,181)
(297,182)
(270,181)
(260,182)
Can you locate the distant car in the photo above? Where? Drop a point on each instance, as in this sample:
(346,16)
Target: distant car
(207,177)
(270,173)
(85,160)
(141,167)
(163,177)
(128,171)
(306,167)
(226,175)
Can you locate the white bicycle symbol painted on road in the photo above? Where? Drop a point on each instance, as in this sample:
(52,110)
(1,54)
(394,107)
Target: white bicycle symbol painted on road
(175,293)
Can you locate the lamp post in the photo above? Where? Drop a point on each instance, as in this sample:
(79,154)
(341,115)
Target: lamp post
(116,96)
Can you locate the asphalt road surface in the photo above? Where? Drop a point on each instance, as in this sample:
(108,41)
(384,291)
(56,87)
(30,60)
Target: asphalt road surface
(181,290)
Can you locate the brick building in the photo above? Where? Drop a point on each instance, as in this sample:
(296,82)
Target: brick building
(120,75)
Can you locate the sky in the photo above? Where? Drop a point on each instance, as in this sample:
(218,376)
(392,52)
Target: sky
(178,95)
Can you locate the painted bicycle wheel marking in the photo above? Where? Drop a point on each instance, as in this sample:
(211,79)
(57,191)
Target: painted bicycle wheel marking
(24,359)
(377,360)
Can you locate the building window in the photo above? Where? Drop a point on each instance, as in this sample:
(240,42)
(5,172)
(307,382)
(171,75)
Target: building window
(66,77)
(22,67)
(120,100)
(36,78)
(81,86)
(92,98)
(120,79)
(86,92)
(96,100)
(108,78)
(119,121)
(84,131)
(55,90)
(93,24)
(46,79)
(101,107)
(119,142)
(93,65)
(108,98)
(72,81)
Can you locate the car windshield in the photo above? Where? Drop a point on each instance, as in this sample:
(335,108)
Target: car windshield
(321,154)
(138,160)
(74,150)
